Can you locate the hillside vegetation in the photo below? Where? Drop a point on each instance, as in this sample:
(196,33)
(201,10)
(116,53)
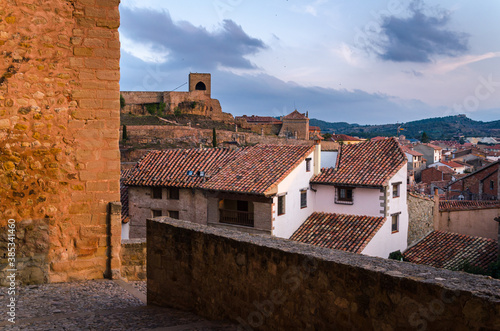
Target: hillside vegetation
(439,128)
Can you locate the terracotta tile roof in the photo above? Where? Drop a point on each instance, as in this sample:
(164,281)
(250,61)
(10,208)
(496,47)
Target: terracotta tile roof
(295,115)
(450,205)
(445,170)
(410,151)
(450,250)
(343,137)
(370,163)
(377,138)
(258,169)
(433,146)
(349,233)
(170,167)
(124,194)
(452,164)
(259,119)
(314,128)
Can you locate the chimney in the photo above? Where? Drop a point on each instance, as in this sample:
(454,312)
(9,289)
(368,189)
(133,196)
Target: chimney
(436,209)
(317,154)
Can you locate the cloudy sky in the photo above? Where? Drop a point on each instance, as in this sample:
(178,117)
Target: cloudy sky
(366,62)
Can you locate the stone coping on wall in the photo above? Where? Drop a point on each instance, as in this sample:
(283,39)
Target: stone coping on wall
(134,241)
(482,286)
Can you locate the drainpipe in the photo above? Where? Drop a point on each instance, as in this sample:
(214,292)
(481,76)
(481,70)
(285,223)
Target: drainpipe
(436,209)
(498,239)
(317,156)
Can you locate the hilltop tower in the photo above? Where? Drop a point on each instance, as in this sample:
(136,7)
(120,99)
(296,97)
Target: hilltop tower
(200,82)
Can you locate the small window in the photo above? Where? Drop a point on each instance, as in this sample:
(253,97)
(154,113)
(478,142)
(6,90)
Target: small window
(156,193)
(395,190)
(156,213)
(308,164)
(344,194)
(303,199)
(173,193)
(492,185)
(395,223)
(173,214)
(281,205)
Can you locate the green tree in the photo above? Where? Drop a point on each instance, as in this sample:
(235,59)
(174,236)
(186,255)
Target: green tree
(177,112)
(425,138)
(122,101)
(214,138)
(327,136)
(124,134)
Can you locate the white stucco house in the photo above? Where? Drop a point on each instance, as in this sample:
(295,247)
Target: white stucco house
(281,190)
(367,186)
(260,189)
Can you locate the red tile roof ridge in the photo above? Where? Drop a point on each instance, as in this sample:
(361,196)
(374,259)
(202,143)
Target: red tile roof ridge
(455,205)
(451,250)
(169,167)
(370,163)
(259,168)
(295,115)
(338,231)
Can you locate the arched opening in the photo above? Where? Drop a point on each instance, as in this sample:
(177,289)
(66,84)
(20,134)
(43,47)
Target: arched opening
(200,86)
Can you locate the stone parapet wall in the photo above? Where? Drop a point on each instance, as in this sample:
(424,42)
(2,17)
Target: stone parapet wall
(59,132)
(420,217)
(276,284)
(133,255)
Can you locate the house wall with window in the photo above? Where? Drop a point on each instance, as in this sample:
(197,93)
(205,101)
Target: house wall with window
(393,235)
(262,211)
(365,201)
(298,180)
(191,205)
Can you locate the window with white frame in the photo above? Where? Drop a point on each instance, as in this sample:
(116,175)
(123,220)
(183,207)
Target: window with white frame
(303,198)
(281,205)
(308,164)
(396,190)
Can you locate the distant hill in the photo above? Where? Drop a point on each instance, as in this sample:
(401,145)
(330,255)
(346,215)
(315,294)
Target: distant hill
(438,128)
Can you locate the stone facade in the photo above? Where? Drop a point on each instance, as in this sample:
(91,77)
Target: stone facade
(191,205)
(133,255)
(421,217)
(275,284)
(295,125)
(59,131)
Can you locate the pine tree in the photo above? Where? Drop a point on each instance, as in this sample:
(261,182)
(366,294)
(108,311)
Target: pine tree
(425,138)
(214,138)
(124,134)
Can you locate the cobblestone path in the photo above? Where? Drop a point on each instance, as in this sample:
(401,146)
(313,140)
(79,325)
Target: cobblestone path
(96,305)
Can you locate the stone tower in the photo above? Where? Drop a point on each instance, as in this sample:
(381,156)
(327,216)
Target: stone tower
(200,82)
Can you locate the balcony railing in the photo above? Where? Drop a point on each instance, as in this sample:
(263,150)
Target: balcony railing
(236,217)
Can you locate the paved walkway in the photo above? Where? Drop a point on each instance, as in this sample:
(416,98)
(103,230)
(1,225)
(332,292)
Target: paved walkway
(96,305)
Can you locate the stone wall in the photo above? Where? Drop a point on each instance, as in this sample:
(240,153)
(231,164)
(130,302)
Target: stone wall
(420,217)
(277,284)
(191,205)
(59,108)
(133,256)
(142,134)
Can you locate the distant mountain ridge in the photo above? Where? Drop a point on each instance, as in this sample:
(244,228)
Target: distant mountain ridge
(438,128)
